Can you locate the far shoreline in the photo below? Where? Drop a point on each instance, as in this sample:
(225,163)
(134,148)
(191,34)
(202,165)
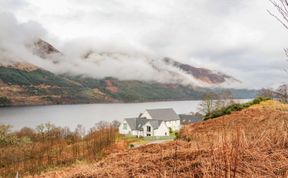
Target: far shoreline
(91,103)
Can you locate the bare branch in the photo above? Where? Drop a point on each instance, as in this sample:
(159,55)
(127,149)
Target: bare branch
(286,51)
(278,19)
(282,8)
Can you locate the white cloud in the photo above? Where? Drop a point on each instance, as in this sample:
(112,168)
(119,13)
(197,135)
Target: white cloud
(237,37)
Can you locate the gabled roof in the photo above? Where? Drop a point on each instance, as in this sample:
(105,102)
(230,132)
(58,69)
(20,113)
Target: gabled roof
(136,123)
(188,118)
(163,114)
(155,123)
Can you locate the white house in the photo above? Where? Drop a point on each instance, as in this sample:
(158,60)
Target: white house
(169,116)
(153,122)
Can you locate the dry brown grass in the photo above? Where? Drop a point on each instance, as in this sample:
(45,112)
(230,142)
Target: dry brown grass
(52,149)
(249,143)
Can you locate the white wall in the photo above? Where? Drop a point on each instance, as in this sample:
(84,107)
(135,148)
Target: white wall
(174,125)
(124,131)
(147,115)
(164,127)
(145,129)
(156,132)
(162,130)
(134,132)
(140,134)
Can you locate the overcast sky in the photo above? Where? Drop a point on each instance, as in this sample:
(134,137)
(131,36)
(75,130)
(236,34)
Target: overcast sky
(237,37)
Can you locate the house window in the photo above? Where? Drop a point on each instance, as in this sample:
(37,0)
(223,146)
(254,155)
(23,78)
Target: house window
(148,129)
(124,126)
(148,135)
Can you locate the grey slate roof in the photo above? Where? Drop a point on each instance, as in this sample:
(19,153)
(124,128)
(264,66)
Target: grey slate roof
(158,116)
(185,118)
(136,123)
(155,123)
(163,114)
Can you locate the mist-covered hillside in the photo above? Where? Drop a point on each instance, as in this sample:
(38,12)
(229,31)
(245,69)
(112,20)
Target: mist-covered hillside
(24,85)
(23,82)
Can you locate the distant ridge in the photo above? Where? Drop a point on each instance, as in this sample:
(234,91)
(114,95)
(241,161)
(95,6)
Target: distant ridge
(27,84)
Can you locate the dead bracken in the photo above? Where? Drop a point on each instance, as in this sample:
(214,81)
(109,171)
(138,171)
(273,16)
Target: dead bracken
(249,143)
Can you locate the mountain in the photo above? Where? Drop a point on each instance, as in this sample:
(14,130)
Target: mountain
(46,50)
(38,86)
(35,86)
(202,74)
(42,48)
(182,72)
(27,84)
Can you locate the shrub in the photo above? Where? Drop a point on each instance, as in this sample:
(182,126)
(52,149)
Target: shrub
(170,130)
(234,107)
(31,151)
(4,101)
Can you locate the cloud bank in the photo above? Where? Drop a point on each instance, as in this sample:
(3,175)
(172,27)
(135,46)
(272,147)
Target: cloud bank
(236,37)
(97,59)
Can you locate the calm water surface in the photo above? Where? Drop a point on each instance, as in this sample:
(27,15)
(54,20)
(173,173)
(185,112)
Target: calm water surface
(86,115)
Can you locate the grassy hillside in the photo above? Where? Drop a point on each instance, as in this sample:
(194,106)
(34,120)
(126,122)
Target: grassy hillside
(131,91)
(34,87)
(13,76)
(139,91)
(248,143)
(234,107)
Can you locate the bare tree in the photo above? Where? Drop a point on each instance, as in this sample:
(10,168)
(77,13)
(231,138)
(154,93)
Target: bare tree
(224,99)
(282,8)
(282,93)
(266,92)
(282,17)
(80,131)
(208,104)
(115,123)
(100,125)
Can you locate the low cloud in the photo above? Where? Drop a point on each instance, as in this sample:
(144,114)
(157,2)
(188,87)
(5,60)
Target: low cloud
(96,59)
(14,36)
(236,37)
